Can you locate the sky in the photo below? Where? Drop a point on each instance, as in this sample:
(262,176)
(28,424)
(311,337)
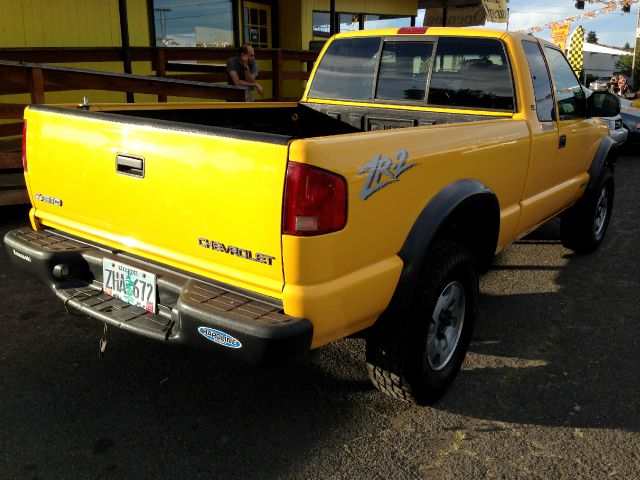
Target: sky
(613,29)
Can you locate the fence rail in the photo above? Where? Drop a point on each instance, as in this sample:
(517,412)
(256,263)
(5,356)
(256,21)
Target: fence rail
(33,71)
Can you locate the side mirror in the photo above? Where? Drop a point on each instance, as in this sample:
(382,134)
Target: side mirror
(603,104)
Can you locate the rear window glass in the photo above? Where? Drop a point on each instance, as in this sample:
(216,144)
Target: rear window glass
(471,73)
(403,70)
(347,69)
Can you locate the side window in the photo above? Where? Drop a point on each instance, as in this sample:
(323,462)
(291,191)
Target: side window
(346,70)
(403,70)
(471,73)
(542,87)
(571,103)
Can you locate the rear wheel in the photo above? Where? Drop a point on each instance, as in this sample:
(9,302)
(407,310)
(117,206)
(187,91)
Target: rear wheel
(415,358)
(584,225)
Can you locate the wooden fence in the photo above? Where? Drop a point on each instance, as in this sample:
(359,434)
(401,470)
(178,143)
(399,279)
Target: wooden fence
(32,71)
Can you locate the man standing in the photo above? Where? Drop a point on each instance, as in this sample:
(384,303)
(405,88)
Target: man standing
(242,70)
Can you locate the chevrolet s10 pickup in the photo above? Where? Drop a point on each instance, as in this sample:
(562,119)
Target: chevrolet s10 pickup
(369,208)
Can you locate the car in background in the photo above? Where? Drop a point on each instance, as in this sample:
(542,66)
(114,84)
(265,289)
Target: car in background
(600,84)
(631,121)
(616,128)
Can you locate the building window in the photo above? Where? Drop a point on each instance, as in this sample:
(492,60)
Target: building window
(256,23)
(349,22)
(371,22)
(321,24)
(346,22)
(185,23)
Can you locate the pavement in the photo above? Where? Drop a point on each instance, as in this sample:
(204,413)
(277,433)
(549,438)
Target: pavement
(550,387)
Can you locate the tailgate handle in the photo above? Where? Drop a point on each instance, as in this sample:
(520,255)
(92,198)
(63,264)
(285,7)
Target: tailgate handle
(130,165)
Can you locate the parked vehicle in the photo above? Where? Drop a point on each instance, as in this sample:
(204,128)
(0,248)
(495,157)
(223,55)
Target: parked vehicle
(631,121)
(370,207)
(600,84)
(616,129)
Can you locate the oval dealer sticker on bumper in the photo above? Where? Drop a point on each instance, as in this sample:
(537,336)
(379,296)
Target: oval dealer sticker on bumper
(219,337)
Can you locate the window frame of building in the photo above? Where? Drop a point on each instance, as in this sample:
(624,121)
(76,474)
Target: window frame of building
(360,17)
(153,33)
(262,21)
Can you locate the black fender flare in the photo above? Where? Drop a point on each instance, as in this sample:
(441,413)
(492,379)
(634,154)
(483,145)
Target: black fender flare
(606,155)
(455,197)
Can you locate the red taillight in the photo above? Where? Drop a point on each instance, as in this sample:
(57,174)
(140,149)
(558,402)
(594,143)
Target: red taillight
(412,30)
(24,145)
(315,201)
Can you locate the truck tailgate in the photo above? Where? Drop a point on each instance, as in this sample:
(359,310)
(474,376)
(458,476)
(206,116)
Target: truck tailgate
(203,199)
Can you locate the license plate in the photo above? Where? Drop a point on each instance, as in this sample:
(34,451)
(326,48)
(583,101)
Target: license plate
(129,284)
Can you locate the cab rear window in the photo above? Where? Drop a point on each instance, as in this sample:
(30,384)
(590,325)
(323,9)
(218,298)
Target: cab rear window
(471,73)
(462,73)
(347,70)
(403,70)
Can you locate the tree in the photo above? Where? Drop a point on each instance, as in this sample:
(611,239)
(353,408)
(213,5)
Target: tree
(592,37)
(624,66)
(627,46)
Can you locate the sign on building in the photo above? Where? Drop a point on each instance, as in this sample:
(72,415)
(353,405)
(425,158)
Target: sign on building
(456,17)
(496,10)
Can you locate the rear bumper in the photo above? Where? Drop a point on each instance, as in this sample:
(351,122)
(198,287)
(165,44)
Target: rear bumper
(191,310)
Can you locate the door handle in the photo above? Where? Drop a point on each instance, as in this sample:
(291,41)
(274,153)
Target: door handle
(563,141)
(130,165)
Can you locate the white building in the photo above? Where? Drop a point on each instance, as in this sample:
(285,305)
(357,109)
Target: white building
(600,61)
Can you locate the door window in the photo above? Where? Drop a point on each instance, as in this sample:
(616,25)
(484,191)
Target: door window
(542,87)
(571,98)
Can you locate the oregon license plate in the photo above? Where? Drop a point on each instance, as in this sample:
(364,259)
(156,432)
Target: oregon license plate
(129,284)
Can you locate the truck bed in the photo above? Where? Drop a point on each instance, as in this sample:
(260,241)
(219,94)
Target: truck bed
(307,120)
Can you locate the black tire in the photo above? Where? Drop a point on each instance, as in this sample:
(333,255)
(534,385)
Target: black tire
(583,226)
(402,359)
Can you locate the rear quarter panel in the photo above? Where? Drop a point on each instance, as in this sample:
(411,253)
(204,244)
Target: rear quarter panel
(494,152)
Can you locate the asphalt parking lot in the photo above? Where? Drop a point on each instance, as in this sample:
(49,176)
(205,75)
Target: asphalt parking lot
(550,388)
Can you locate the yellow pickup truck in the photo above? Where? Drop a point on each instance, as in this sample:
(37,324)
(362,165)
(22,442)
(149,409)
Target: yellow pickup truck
(368,208)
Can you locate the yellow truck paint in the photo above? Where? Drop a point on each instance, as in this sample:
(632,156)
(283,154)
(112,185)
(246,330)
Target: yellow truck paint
(432,192)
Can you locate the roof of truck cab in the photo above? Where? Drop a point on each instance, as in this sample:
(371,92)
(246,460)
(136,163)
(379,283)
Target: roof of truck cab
(430,31)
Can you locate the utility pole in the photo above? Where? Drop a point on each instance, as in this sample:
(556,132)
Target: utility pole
(635,48)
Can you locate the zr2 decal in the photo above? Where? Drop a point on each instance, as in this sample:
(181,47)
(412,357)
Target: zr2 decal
(383,171)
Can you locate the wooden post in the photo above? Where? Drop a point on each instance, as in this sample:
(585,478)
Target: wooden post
(37,85)
(126,45)
(277,75)
(161,61)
